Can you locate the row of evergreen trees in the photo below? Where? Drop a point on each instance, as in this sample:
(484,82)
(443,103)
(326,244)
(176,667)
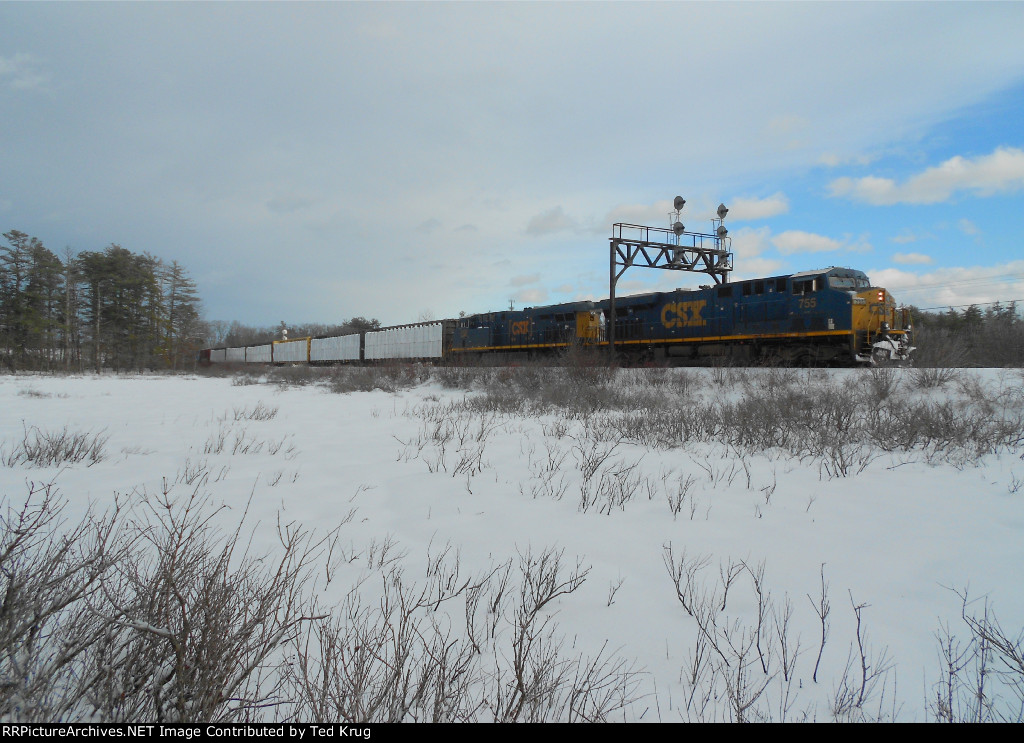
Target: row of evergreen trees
(993,337)
(93,310)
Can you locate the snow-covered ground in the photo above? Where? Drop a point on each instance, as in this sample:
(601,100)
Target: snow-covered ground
(900,535)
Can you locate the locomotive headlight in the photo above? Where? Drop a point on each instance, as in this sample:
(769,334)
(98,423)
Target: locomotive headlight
(881,295)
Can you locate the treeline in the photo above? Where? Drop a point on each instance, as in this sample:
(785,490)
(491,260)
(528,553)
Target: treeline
(993,337)
(109,309)
(235,334)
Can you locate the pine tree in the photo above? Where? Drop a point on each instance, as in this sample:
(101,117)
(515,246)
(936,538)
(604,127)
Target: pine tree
(42,302)
(71,336)
(15,264)
(181,330)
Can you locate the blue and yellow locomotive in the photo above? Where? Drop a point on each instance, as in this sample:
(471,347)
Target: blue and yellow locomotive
(829,316)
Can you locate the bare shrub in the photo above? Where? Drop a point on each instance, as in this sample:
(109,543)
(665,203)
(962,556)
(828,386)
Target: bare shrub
(822,607)
(260,412)
(771,380)
(818,418)
(389,377)
(40,448)
(982,677)
(678,495)
(540,684)
(451,438)
(931,377)
(46,630)
(155,615)
(866,669)
(586,367)
(345,379)
(295,375)
(404,658)
(385,662)
(192,620)
(958,431)
(746,666)
(458,377)
(732,660)
(883,381)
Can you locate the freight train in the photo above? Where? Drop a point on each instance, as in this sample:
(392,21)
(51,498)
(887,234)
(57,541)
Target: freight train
(829,316)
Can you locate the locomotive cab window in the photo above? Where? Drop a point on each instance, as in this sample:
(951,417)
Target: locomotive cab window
(806,287)
(724,292)
(849,283)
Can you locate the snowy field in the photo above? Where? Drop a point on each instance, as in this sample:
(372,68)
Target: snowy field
(691,560)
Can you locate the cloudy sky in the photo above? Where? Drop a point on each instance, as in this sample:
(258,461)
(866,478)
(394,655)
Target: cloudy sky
(316,161)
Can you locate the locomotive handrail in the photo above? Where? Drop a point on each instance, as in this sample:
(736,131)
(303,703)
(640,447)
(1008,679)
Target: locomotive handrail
(670,238)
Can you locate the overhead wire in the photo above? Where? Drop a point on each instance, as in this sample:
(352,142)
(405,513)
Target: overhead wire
(962,282)
(972,304)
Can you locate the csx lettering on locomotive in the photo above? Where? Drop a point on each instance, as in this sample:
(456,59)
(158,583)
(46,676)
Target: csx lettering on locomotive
(520,328)
(683,314)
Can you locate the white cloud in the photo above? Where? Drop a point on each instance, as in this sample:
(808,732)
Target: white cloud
(754,268)
(911,258)
(905,237)
(379,31)
(968,227)
(747,209)
(798,241)
(647,214)
(748,242)
(553,220)
(1001,171)
(790,131)
(532,278)
(959,285)
(531,297)
(786,124)
(833,160)
(289,203)
(21,72)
